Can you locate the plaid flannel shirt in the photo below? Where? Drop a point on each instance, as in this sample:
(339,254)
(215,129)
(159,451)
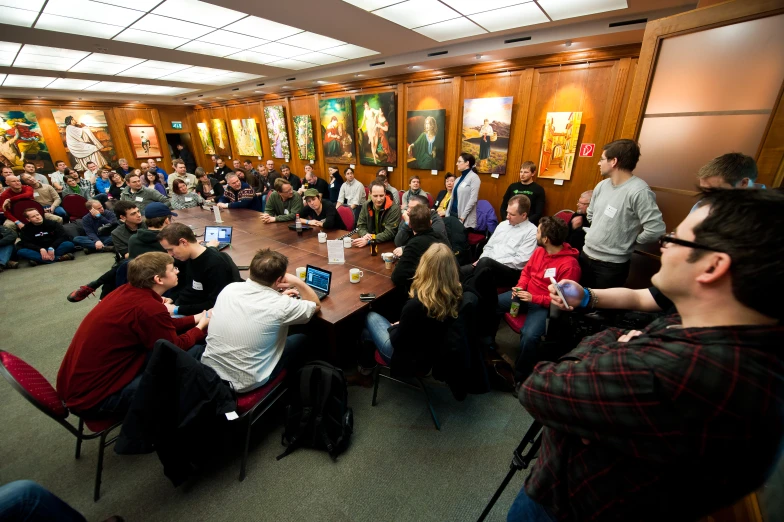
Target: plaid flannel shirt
(679,421)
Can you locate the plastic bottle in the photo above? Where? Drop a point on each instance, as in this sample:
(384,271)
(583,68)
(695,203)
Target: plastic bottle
(298,225)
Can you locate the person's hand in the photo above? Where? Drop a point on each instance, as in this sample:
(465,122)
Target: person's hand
(625,338)
(315,223)
(441,212)
(95,213)
(212,243)
(223,205)
(205,320)
(169,308)
(404,216)
(577,222)
(395,323)
(398,252)
(474,263)
(6,204)
(98,245)
(359,243)
(291,292)
(524,296)
(266,218)
(572,291)
(48,210)
(44,254)
(168,300)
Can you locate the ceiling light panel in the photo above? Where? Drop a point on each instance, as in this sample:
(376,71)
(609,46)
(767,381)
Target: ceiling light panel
(262,28)
(39,57)
(371,5)
(110,86)
(253,57)
(71,84)
(150,38)
(14,16)
(291,64)
(350,51)
(92,12)
(139,5)
(311,41)
(153,69)
(160,90)
(105,64)
(207,48)
(8,52)
(33,5)
(468,7)
(451,29)
(561,9)
(163,25)
(281,50)
(198,12)
(64,24)
(230,39)
(320,58)
(18,80)
(195,75)
(510,17)
(416,13)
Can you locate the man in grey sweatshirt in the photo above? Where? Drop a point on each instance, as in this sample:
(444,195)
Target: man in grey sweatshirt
(622,213)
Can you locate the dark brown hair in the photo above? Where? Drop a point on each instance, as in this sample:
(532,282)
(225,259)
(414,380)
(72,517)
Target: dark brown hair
(143,269)
(419,218)
(522,202)
(627,152)
(268,266)
(554,229)
(176,231)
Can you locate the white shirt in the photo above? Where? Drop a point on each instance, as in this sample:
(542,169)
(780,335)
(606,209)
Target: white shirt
(90,175)
(354,192)
(57,177)
(510,245)
(248,332)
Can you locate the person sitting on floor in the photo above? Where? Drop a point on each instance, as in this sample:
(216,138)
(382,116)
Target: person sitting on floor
(181,198)
(139,194)
(283,203)
(423,235)
(207,271)
(7,240)
(435,298)
(47,197)
(414,189)
(248,357)
(104,363)
(237,194)
(96,240)
(379,217)
(16,190)
(102,185)
(404,232)
(43,241)
(320,212)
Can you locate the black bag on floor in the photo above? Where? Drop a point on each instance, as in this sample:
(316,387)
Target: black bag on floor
(318,416)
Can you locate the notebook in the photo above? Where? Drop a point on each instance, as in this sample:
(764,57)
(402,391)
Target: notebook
(319,280)
(222,234)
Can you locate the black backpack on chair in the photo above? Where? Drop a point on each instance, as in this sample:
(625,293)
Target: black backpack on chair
(318,416)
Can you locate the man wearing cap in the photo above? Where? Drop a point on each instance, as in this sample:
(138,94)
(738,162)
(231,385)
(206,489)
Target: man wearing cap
(320,212)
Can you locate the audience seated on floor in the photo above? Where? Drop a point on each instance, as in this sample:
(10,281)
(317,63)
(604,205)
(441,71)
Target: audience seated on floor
(250,355)
(98,225)
(139,194)
(237,194)
(423,235)
(283,203)
(207,271)
(414,190)
(47,197)
(131,220)
(320,212)
(379,217)
(404,232)
(105,360)
(510,246)
(28,501)
(7,240)
(529,188)
(43,241)
(684,393)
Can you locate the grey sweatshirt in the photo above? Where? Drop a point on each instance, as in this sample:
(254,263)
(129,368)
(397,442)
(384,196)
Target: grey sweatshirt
(621,217)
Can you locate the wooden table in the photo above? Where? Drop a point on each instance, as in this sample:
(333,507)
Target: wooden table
(250,234)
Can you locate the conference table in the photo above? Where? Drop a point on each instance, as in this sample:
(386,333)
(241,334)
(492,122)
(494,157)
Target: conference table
(250,234)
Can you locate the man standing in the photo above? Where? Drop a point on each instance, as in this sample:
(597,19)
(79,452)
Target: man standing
(314,182)
(293,179)
(622,213)
(124,169)
(187,157)
(95,239)
(638,425)
(140,195)
(43,241)
(180,173)
(58,176)
(528,187)
(237,194)
(15,191)
(423,236)
(47,197)
(250,356)
(405,232)
(352,193)
(152,165)
(379,217)
(283,204)
(579,221)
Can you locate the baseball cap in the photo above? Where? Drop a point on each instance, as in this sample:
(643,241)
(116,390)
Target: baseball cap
(155,210)
(311,193)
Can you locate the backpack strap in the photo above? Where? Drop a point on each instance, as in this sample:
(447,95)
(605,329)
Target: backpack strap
(325,387)
(307,409)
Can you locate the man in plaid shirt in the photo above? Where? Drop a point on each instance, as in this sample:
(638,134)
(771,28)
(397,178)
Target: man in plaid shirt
(687,416)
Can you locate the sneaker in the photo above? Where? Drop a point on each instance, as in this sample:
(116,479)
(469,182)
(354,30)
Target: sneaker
(80,294)
(12,265)
(66,257)
(107,249)
(32,262)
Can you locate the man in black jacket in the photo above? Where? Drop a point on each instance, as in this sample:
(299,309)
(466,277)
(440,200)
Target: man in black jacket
(314,182)
(187,157)
(404,232)
(424,236)
(579,221)
(221,171)
(528,187)
(44,241)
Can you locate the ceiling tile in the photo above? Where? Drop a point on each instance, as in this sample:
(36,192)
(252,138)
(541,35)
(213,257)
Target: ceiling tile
(17,80)
(150,38)
(110,86)
(510,17)
(416,13)
(139,5)
(468,7)
(31,5)
(320,58)
(98,63)
(161,90)
(451,29)
(8,52)
(13,16)
(253,57)
(40,50)
(2,78)
(278,49)
(240,77)
(561,9)
(370,5)
(207,48)
(311,41)
(198,12)
(170,26)
(70,84)
(262,28)
(87,10)
(153,69)
(350,51)
(63,24)
(292,64)
(39,57)
(231,39)
(194,74)
(42,62)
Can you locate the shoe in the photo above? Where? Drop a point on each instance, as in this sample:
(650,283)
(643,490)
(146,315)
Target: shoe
(66,257)
(81,293)
(87,251)
(12,265)
(107,249)
(358,379)
(32,263)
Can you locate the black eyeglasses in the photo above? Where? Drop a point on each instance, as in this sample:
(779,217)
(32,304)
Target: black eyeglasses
(670,238)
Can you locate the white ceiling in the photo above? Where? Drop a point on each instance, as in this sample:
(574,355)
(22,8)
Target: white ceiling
(160,49)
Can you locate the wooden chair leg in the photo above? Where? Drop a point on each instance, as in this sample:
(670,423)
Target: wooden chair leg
(429,404)
(99,469)
(79,439)
(376,378)
(244,462)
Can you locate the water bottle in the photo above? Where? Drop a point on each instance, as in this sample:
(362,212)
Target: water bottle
(298,225)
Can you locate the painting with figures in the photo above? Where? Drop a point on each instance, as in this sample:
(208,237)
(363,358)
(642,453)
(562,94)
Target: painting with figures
(425,131)
(206,139)
(337,130)
(21,140)
(246,137)
(220,137)
(377,129)
(306,149)
(275,117)
(487,124)
(85,134)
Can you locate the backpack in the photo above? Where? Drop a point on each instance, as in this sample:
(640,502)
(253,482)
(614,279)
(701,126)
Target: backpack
(319,416)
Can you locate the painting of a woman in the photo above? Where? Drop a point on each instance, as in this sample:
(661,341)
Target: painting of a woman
(332,139)
(427,151)
(486,134)
(276,130)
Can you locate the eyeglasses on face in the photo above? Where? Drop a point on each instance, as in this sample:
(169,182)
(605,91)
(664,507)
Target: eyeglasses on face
(670,238)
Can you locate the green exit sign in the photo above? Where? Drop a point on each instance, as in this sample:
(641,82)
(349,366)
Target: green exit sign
(176,125)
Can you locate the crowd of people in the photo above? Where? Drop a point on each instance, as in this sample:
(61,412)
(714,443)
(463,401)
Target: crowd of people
(635,422)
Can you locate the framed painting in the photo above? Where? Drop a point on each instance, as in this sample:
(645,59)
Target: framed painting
(144,141)
(559,145)
(377,129)
(220,137)
(425,132)
(206,139)
(276,130)
(21,140)
(306,149)
(337,130)
(246,137)
(487,124)
(85,134)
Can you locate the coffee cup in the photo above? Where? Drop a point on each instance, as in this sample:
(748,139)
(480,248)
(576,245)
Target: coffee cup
(322,237)
(346,242)
(301,272)
(388,258)
(355,274)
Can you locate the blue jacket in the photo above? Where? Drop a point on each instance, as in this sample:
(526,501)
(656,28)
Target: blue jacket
(92,224)
(102,185)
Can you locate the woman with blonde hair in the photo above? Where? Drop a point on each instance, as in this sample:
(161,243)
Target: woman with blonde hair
(434,302)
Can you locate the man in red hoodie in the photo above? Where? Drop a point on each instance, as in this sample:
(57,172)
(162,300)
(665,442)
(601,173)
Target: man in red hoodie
(552,258)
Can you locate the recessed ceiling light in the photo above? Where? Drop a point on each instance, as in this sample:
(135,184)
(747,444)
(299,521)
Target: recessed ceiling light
(414,67)
(359,75)
(321,82)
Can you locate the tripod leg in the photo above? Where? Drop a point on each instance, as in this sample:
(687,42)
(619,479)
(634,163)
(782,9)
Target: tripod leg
(497,494)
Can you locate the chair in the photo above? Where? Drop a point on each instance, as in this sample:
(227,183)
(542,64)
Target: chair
(430,200)
(400,195)
(564,215)
(18,207)
(36,389)
(347,215)
(74,204)
(367,192)
(253,405)
(476,240)
(515,323)
(381,363)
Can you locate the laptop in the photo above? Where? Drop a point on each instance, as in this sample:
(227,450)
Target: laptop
(319,280)
(222,234)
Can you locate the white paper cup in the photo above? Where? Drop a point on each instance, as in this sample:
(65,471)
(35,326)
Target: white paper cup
(322,237)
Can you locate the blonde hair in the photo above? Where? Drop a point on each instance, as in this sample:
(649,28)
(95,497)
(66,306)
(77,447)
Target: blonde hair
(437,283)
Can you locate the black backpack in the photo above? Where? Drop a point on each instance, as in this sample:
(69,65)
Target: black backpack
(318,416)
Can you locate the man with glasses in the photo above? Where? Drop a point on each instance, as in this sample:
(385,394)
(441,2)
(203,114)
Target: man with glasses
(283,203)
(237,194)
(579,221)
(685,416)
(623,213)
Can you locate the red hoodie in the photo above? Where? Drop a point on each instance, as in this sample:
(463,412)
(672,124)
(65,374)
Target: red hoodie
(537,272)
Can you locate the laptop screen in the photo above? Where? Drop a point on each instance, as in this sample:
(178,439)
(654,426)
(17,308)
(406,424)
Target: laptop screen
(222,234)
(318,278)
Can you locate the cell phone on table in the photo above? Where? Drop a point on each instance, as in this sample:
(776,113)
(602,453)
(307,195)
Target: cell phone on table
(558,290)
(367,297)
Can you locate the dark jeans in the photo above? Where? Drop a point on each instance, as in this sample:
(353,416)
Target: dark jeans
(524,509)
(502,274)
(530,335)
(26,500)
(601,274)
(293,356)
(66,247)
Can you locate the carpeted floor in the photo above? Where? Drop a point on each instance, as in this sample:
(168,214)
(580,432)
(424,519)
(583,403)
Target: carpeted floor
(398,468)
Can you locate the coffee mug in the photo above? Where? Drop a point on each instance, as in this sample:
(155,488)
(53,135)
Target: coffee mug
(301,272)
(355,274)
(322,236)
(346,242)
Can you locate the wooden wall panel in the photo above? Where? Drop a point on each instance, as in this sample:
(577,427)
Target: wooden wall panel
(124,116)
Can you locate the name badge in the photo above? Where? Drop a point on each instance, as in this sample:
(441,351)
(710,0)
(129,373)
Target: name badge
(286,211)
(550,272)
(139,199)
(188,199)
(212,191)
(197,286)
(35,194)
(610,211)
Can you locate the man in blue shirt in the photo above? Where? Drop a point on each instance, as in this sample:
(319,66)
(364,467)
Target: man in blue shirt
(98,239)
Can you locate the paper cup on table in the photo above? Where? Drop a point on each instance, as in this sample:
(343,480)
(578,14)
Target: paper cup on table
(346,242)
(322,237)
(388,258)
(301,272)
(355,274)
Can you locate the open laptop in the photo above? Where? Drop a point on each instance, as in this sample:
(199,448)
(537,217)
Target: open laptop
(319,280)
(222,234)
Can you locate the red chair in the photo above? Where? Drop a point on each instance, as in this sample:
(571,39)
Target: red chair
(74,204)
(377,377)
(430,199)
(36,389)
(564,215)
(347,216)
(475,240)
(515,323)
(400,195)
(253,405)
(18,207)
(367,192)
